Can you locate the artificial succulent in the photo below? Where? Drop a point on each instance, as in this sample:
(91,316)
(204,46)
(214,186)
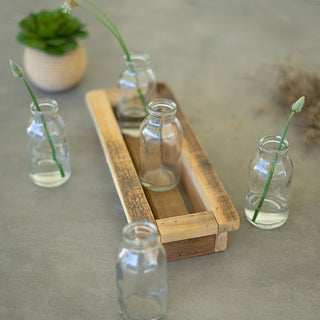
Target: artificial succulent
(53,32)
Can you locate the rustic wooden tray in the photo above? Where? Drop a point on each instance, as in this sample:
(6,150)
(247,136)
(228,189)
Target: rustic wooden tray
(195,217)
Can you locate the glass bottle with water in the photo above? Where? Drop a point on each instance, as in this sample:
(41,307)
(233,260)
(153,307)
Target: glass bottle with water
(275,209)
(141,273)
(48,150)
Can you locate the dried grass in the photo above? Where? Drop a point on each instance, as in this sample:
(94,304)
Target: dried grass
(295,83)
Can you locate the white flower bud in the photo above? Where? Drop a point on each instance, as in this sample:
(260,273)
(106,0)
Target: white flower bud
(297,106)
(16,70)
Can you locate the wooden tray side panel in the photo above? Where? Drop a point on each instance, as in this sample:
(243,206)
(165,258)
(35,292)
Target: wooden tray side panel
(132,197)
(214,195)
(190,247)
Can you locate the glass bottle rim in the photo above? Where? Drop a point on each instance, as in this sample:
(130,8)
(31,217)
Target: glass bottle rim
(137,59)
(162,108)
(140,233)
(269,145)
(47,105)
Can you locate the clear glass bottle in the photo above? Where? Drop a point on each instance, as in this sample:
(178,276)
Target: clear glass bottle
(275,209)
(160,146)
(141,273)
(136,76)
(49,163)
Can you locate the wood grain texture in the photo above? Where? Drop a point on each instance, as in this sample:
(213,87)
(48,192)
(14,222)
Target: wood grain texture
(190,247)
(188,226)
(132,197)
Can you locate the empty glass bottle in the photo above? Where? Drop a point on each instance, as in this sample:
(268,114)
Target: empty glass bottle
(275,209)
(160,146)
(141,273)
(49,164)
(136,83)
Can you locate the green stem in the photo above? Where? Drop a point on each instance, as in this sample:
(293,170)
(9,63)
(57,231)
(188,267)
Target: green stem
(109,20)
(107,26)
(141,96)
(267,185)
(45,129)
(113,29)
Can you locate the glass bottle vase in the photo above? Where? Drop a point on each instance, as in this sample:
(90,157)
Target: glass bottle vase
(136,84)
(47,146)
(160,146)
(141,273)
(275,209)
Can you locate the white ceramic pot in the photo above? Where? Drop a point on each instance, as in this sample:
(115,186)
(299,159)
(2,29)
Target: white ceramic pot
(55,73)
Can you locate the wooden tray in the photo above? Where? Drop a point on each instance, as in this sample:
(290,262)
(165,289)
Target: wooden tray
(195,217)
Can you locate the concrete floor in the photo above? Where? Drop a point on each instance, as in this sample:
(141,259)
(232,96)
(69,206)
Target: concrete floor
(57,247)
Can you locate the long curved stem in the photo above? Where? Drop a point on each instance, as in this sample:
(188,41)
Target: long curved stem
(267,185)
(45,129)
(113,29)
(109,20)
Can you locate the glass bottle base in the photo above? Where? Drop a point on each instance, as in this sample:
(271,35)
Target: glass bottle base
(50,179)
(137,307)
(273,214)
(159,179)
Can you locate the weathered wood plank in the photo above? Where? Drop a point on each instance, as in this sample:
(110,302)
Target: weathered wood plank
(221,241)
(190,247)
(135,205)
(187,226)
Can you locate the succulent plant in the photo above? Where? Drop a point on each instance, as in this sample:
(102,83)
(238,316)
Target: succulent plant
(53,32)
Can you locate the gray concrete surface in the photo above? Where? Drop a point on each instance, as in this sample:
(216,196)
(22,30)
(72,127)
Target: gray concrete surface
(57,247)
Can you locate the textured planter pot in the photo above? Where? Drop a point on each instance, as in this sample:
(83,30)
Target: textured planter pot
(55,73)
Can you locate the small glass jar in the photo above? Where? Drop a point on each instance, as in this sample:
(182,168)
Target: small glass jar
(136,83)
(275,209)
(160,146)
(47,146)
(141,273)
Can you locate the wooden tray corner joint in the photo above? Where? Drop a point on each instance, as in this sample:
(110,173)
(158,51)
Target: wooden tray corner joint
(195,217)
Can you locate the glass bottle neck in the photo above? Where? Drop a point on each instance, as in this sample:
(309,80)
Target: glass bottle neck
(140,235)
(47,108)
(269,145)
(162,109)
(138,61)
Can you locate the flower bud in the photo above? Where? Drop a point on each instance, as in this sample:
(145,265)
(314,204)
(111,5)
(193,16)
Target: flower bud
(16,70)
(297,106)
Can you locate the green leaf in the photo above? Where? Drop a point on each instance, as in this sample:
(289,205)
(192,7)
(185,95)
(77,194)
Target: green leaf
(32,24)
(48,29)
(29,23)
(69,46)
(36,44)
(81,34)
(45,31)
(56,42)
(55,51)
